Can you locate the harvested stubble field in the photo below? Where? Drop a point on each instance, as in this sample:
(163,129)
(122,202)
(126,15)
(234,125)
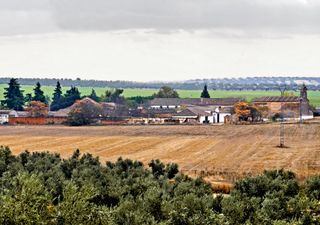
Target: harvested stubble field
(229,149)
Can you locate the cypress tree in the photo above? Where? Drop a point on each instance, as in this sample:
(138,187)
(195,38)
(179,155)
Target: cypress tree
(28,98)
(205,93)
(38,94)
(14,96)
(57,98)
(71,96)
(94,96)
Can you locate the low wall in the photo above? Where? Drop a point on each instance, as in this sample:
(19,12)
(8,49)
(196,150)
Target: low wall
(52,120)
(106,122)
(36,120)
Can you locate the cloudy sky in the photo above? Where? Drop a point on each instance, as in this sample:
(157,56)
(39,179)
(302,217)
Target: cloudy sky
(147,40)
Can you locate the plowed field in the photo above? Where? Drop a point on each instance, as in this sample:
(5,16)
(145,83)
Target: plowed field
(235,149)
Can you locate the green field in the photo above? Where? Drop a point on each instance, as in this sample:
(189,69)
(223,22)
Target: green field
(314,96)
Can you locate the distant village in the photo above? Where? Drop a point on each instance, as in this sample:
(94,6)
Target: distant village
(164,107)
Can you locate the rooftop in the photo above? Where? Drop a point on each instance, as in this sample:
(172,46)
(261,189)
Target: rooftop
(193,101)
(277,99)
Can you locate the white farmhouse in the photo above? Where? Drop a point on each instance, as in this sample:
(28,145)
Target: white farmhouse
(203,115)
(192,115)
(220,114)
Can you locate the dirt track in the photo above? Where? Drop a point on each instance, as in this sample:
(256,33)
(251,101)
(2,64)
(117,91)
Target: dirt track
(245,148)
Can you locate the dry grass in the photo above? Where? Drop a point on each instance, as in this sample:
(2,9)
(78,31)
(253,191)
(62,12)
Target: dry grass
(217,151)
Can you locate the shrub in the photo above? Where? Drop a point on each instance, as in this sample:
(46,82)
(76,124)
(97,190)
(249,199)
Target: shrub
(42,188)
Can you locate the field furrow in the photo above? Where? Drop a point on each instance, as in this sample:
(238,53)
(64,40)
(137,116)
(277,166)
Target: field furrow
(237,149)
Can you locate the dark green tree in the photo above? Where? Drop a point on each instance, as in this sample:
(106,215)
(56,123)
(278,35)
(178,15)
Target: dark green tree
(113,96)
(157,168)
(94,96)
(205,93)
(63,101)
(38,94)
(28,98)
(57,98)
(13,96)
(166,92)
(116,96)
(72,95)
(171,170)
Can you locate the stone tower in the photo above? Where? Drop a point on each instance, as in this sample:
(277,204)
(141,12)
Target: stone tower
(304,93)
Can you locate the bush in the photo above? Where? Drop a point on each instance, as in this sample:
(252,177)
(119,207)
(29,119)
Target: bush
(42,188)
(313,187)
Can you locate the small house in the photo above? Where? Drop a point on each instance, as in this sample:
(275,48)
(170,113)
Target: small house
(203,115)
(5,115)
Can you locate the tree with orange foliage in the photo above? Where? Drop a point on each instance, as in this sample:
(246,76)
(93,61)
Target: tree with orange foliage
(37,109)
(245,112)
(242,110)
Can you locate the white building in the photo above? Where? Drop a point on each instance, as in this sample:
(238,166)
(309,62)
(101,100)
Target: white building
(220,114)
(5,114)
(203,115)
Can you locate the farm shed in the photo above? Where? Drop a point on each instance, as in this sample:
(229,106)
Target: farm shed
(8,115)
(4,118)
(292,105)
(186,116)
(174,103)
(5,114)
(60,113)
(151,116)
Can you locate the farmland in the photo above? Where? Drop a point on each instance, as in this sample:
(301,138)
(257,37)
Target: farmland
(233,148)
(314,96)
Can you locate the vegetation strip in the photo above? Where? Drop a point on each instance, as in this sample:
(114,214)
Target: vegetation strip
(41,188)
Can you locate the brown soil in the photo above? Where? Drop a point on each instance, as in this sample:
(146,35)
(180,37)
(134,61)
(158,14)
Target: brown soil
(220,151)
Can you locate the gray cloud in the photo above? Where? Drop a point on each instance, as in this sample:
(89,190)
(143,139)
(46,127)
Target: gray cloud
(19,17)
(274,17)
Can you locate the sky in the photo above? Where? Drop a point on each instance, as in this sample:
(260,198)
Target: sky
(152,40)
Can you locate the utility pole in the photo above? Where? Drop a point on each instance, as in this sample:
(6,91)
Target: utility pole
(301,99)
(282,90)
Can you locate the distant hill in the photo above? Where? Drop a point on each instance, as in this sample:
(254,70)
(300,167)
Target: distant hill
(248,83)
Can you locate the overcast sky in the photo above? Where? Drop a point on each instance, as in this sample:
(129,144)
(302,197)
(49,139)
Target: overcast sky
(147,40)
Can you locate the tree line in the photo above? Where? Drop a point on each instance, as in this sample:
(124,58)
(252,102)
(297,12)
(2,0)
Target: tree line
(15,99)
(239,84)
(43,188)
